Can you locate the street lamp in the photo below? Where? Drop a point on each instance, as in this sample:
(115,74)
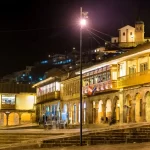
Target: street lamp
(83,16)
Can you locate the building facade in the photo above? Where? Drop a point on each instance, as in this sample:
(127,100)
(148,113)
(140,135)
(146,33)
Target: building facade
(17,104)
(48,99)
(118,88)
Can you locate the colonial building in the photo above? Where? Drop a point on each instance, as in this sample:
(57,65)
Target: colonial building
(120,87)
(131,36)
(116,88)
(48,97)
(17,104)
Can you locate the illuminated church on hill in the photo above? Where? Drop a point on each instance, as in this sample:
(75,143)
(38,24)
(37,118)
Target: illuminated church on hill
(131,36)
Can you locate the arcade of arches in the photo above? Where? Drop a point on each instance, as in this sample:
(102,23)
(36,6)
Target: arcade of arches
(125,107)
(16,118)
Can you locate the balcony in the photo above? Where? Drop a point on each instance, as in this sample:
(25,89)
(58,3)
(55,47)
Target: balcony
(8,106)
(134,79)
(48,97)
(109,85)
(71,96)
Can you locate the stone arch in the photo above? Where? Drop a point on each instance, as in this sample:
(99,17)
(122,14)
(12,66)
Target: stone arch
(108,109)
(2,119)
(138,107)
(127,109)
(100,111)
(115,108)
(26,118)
(64,112)
(13,118)
(147,106)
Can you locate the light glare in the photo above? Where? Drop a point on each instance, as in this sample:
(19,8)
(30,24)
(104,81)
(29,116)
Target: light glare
(82,22)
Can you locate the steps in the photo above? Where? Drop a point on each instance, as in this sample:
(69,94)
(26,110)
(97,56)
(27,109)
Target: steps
(129,135)
(45,140)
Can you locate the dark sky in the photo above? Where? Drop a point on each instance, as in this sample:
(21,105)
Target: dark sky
(30,30)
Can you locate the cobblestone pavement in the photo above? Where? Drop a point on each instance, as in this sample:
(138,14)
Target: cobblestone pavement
(133,146)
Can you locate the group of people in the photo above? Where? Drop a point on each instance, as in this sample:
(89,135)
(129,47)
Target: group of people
(111,121)
(45,118)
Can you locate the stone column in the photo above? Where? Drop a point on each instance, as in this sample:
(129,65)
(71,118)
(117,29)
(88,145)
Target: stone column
(7,116)
(77,113)
(96,111)
(104,111)
(144,111)
(133,112)
(31,118)
(20,118)
(125,114)
(89,109)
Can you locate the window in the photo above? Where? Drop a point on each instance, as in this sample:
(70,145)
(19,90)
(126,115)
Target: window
(104,77)
(124,34)
(8,99)
(108,75)
(91,80)
(130,33)
(143,67)
(132,70)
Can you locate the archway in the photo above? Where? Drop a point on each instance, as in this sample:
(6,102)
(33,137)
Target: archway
(127,109)
(84,112)
(108,109)
(26,118)
(74,113)
(2,119)
(64,113)
(147,107)
(116,109)
(13,119)
(138,108)
(100,111)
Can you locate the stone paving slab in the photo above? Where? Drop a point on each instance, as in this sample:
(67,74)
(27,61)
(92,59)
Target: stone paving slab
(133,146)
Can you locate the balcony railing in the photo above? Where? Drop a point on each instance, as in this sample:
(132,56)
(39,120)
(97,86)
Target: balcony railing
(8,106)
(134,79)
(71,96)
(49,96)
(100,87)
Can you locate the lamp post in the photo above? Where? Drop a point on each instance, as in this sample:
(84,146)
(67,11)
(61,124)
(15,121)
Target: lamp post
(83,16)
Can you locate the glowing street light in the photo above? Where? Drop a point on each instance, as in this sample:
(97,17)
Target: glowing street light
(83,22)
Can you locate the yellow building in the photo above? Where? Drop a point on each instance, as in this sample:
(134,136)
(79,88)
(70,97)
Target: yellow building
(17,104)
(48,99)
(120,87)
(117,88)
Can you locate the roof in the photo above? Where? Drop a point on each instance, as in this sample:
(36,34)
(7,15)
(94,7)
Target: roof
(139,22)
(16,88)
(127,26)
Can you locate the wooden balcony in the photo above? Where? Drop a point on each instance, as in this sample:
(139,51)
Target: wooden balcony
(71,96)
(134,79)
(109,85)
(48,97)
(8,106)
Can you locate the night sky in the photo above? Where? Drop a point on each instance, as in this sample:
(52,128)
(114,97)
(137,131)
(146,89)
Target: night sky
(30,30)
